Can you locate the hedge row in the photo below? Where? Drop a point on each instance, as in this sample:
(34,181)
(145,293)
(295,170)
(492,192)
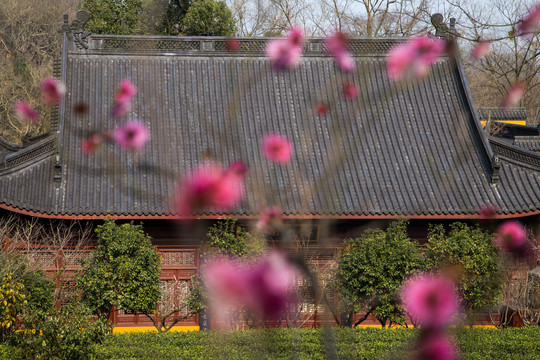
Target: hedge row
(309,344)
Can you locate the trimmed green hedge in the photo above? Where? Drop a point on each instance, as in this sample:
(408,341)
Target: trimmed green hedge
(522,344)
(519,344)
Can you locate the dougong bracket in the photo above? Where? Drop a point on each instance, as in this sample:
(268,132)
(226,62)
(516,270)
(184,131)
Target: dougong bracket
(75,30)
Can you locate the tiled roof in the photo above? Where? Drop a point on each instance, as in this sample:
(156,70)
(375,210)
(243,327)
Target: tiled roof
(511,114)
(414,150)
(528,142)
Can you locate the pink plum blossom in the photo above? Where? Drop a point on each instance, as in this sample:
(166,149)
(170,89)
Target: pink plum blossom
(321,109)
(530,24)
(238,169)
(90,144)
(513,95)
(263,286)
(436,345)
(133,135)
(350,90)
(270,219)
(126,91)
(277,148)
(480,49)
(488,212)
(272,281)
(232,44)
(413,58)
(511,236)
(121,108)
(210,186)
(227,280)
(25,112)
(431,300)
(286,53)
(52,91)
(336,44)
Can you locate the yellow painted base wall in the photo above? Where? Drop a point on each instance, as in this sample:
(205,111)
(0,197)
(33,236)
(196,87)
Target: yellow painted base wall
(515,122)
(129,329)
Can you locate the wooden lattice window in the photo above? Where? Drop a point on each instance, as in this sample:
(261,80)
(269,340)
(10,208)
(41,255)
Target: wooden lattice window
(72,258)
(42,260)
(174,294)
(178,258)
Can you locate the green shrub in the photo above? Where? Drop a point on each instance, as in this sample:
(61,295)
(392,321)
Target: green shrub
(12,301)
(309,344)
(123,271)
(68,333)
(468,252)
(371,269)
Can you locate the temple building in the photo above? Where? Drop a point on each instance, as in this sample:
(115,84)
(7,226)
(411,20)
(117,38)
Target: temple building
(412,149)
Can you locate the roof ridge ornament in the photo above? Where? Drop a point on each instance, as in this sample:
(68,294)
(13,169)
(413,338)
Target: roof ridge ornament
(496,166)
(441,29)
(75,31)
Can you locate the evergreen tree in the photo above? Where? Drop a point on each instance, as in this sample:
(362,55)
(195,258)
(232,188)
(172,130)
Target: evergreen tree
(209,18)
(117,17)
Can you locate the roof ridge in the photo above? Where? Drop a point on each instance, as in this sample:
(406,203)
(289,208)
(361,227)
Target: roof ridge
(220,45)
(30,153)
(515,154)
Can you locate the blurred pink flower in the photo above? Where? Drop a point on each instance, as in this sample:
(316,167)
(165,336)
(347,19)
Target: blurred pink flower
(132,135)
(413,58)
(277,148)
(511,236)
(436,346)
(121,108)
(336,44)
(431,300)
(25,112)
(513,95)
(350,91)
(272,282)
(227,280)
(238,169)
(264,287)
(530,24)
(126,91)
(480,49)
(321,109)
(270,219)
(89,145)
(52,91)
(286,53)
(488,212)
(232,44)
(210,186)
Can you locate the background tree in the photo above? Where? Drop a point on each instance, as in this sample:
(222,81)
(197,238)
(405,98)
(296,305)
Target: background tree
(116,17)
(468,254)
(209,18)
(163,17)
(29,43)
(123,271)
(371,270)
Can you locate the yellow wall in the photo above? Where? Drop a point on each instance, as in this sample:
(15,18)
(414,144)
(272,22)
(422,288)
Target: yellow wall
(129,329)
(515,122)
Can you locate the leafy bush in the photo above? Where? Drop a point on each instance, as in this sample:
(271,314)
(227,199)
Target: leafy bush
(309,344)
(123,271)
(468,253)
(68,333)
(12,301)
(371,269)
(230,238)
